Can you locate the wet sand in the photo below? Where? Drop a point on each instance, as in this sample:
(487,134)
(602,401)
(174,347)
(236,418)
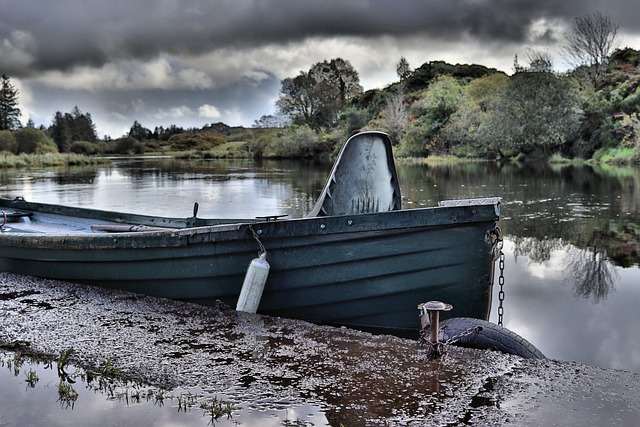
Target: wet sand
(358,378)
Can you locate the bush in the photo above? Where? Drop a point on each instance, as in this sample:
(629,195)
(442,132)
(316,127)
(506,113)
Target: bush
(126,146)
(33,141)
(8,142)
(297,142)
(84,147)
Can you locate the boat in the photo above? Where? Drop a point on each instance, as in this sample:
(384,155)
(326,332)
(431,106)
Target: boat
(357,259)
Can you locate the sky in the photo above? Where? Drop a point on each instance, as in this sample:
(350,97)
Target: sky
(195,62)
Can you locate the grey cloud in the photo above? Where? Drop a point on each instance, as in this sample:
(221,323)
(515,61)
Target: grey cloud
(80,32)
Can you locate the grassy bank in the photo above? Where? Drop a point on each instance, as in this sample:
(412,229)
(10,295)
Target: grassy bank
(49,159)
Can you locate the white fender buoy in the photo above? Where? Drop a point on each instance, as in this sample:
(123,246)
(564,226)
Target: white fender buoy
(253,285)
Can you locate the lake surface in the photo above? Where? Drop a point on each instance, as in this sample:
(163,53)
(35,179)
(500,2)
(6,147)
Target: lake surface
(572,234)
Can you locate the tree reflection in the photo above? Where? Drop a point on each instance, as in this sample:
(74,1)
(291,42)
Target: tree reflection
(588,268)
(537,250)
(594,275)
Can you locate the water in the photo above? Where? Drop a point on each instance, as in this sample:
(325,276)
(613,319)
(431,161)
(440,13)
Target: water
(572,235)
(35,394)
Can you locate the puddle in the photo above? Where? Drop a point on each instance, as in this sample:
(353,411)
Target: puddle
(35,394)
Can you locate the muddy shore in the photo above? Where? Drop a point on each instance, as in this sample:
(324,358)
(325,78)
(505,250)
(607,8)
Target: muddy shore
(357,378)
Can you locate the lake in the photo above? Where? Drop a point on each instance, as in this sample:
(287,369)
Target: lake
(572,233)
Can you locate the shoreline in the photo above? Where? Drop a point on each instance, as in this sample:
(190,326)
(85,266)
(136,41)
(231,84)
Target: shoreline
(358,377)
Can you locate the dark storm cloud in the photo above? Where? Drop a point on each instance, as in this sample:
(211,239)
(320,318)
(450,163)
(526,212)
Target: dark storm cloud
(59,35)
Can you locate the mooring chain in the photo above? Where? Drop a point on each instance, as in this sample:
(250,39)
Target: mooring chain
(497,254)
(437,349)
(501,293)
(469,331)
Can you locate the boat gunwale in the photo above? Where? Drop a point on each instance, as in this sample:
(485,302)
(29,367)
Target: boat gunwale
(239,229)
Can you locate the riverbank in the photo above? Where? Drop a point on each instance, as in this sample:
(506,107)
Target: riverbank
(359,378)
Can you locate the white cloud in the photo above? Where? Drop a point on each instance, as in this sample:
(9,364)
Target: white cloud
(163,73)
(209,111)
(175,112)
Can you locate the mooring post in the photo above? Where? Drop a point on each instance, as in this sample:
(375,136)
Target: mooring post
(432,310)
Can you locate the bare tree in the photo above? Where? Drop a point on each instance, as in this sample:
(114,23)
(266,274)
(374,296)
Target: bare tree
(394,116)
(593,39)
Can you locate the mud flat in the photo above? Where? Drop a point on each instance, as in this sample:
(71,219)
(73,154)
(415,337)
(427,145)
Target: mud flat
(355,377)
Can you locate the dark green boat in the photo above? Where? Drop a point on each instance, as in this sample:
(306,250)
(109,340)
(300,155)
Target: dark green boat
(357,259)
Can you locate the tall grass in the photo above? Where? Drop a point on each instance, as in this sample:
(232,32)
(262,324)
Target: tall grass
(8,160)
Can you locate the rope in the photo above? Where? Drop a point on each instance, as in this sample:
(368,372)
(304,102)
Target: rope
(255,236)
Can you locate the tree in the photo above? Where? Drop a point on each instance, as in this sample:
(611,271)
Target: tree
(9,111)
(71,127)
(394,117)
(60,133)
(340,75)
(139,132)
(428,115)
(590,43)
(82,127)
(536,112)
(316,97)
(403,69)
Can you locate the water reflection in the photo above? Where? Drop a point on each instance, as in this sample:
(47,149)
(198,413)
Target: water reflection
(33,393)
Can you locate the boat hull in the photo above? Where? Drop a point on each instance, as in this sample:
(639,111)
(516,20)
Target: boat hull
(364,271)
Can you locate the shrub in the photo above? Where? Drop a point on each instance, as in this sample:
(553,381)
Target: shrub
(84,147)
(7,141)
(297,142)
(34,141)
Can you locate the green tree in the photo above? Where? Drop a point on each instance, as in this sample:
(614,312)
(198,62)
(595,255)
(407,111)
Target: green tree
(60,132)
(70,127)
(537,113)
(315,98)
(9,111)
(403,69)
(82,127)
(429,114)
(139,132)
(463,127)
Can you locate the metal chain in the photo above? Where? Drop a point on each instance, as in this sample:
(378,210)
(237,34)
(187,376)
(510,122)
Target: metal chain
(437,349)
(469,331)
(501,293)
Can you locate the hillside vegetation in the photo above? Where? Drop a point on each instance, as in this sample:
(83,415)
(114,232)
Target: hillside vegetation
(437,109)
(465,111)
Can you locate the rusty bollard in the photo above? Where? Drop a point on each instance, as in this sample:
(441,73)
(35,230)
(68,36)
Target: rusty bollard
(430,316)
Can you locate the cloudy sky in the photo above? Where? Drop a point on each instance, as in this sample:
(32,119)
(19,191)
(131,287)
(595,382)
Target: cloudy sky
(195,62)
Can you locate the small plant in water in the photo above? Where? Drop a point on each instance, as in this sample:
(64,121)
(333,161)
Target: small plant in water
(67,395)
(63,361)
(216,408)
(32,378)
(186,401)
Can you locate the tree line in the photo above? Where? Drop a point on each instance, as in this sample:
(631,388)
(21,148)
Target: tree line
(437,108)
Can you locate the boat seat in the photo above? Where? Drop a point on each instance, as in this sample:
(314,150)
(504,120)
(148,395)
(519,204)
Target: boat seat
(363,178)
